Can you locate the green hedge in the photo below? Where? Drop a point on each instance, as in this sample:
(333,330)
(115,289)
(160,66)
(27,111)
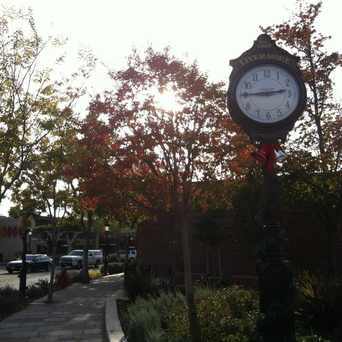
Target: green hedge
(228,314)
(225,315)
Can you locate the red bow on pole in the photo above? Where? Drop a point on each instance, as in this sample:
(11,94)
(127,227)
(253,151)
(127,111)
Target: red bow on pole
(266,156)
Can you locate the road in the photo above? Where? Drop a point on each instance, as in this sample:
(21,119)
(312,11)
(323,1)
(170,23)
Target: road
(13,279)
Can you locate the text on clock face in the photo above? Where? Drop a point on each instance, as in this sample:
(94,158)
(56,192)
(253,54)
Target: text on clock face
(267,93)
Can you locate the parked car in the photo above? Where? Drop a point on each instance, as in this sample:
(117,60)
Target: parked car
(75,258)
(34,262)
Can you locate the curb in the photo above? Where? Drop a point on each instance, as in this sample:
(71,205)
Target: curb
(112,322)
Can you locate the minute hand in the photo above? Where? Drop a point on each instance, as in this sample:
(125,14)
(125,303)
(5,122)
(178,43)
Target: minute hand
(263,93)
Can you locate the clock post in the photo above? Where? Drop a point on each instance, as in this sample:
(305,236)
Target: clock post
(266,96)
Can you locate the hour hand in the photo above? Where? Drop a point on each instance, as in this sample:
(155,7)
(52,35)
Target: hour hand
(263,93)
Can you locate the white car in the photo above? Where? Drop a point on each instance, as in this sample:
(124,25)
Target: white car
(75,258)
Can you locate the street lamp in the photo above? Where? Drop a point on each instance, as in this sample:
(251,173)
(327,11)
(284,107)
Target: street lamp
(30,241)
(105,251)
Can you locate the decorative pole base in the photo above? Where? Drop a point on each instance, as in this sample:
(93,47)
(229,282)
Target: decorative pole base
(276,287)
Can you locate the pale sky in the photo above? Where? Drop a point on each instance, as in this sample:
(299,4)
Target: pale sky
(209,31)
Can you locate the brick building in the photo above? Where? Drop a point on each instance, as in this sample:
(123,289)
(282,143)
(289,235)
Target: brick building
(10,240)
(159,245)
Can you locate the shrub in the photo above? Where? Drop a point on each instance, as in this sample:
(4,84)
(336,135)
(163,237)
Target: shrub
(225,315)
(113,268)
(166,303)
(77,276)
(40,289)
(148,318)
(176,321)
(236,317)
(43,284)
(144,322)
(319,304)
(229,314)
(94,274)
(138,281)
(311,338)
(8,291)
(10,301)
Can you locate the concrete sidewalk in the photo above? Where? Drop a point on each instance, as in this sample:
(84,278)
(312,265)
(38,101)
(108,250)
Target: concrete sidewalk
(77,314)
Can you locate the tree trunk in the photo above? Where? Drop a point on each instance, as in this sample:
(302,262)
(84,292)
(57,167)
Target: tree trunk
(219,262)
(69,244)
(207,260)
(23,271)
(195,332)
(85,266)
(97,241)
(331,251)
(53,265)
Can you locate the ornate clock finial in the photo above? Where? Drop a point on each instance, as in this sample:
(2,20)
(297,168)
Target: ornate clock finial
(264,41)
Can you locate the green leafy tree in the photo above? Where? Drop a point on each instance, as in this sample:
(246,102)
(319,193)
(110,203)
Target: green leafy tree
(28,97)
(43,181)
(32,95)
(44,178)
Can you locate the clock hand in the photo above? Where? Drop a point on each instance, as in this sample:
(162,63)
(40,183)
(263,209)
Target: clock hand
(263,93)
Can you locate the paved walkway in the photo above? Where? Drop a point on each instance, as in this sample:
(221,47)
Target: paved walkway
(77,314)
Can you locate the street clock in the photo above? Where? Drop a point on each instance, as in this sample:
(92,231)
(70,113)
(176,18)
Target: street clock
(266,92)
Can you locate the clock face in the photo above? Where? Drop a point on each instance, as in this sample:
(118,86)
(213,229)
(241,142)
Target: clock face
(267,93)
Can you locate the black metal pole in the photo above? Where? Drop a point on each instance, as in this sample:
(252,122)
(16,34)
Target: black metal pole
(276,286)
(105,267)
(30,242)
(23,270)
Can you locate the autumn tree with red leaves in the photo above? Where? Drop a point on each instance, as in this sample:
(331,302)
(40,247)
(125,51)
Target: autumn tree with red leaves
(313,165)
(320,128)
(170,130)
(87,175)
